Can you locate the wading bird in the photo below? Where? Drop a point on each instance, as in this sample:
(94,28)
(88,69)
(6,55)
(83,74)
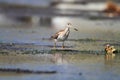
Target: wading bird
(62,35)
(110,50)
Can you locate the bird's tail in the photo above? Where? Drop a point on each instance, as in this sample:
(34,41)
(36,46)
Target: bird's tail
(51,37)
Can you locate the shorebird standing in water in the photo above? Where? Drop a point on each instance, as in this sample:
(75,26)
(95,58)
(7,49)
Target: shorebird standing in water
(110,50)
(62,35)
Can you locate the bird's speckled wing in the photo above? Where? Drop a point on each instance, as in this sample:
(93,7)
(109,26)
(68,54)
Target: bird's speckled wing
(55,36)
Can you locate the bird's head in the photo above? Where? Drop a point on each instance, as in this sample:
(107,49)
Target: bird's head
(71,26)
(108,45)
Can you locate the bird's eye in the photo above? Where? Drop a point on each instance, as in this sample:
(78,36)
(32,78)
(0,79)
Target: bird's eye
(69,23)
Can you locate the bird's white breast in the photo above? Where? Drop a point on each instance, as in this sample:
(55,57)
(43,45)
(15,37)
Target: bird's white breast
(63,35)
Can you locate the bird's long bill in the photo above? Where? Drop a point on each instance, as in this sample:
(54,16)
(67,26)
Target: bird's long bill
(75,29)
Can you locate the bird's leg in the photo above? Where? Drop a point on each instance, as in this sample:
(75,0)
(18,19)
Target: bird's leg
(63,45)
(54,44)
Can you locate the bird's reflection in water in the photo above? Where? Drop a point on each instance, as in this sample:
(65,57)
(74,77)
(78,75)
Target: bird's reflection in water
(109,57)
(109,61)
(58,58)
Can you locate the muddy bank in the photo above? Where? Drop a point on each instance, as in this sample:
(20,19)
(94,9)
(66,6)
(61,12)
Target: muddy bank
(89,46)
(14,48)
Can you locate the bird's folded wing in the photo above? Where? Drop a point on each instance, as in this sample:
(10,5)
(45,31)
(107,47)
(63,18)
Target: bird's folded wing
(57,34)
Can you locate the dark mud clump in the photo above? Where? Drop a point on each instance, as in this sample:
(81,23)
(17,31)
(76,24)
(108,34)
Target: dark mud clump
(26,71)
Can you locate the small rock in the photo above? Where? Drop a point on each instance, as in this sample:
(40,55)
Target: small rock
(80,73)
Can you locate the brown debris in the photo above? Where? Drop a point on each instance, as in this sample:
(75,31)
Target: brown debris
(112,9)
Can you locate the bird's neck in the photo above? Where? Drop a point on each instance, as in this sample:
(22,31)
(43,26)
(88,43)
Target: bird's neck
(67,29)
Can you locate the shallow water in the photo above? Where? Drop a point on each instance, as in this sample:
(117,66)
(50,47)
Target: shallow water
(69,65)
